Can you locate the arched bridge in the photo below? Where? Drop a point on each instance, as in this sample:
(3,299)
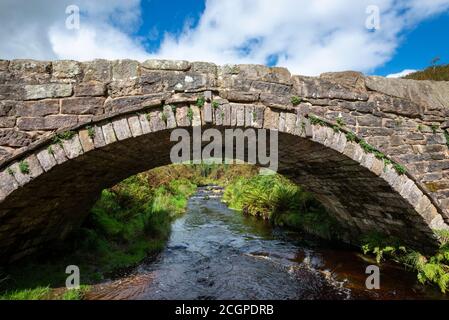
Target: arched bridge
(373,150)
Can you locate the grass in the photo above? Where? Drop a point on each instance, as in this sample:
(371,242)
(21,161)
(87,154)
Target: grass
(129,222)
(90,132)
(60,137)
(282,202)
(190,114)
(24,167)
(200,102)
(436,73)
(295,100)
(429,269)
(38,293)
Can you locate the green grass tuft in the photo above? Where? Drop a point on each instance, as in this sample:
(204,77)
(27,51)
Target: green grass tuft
(24,167)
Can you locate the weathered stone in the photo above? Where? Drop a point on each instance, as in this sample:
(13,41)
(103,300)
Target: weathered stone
(72,147)
(134,126)
(156,121)
(14,138)
(58,152)
(8,108)
(169,117)
(99,140)
(51,90)
(51,122)
(139,102)
(7,183)
(84,105)
(39,108)
(182,118)
(97,70)
(125,70)
(86,139)
(66,69)
(108,133)
(144,124)
(166,65)
(237,114)
(196,116)
(26,169)
(271,119)
(92,89)
(121,129)
(207,113)
(46,158)
(239,96)
(30,71)
(7,122)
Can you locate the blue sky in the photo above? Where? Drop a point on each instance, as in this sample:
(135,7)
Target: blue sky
(419,46)
(307,36)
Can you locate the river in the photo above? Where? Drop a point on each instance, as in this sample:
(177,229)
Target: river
(215,253)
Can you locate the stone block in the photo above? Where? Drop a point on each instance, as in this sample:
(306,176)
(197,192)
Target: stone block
(50,90)
(121,129)
(83,105)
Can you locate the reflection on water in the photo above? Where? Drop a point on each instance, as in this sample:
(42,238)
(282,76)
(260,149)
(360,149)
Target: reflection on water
(214,253)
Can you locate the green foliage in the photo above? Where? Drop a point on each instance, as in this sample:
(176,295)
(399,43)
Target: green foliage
(190,114)
(316,121)
(215,104)
(435,128)
(24,167)
(350,136)
(90,132)
(200,102)
(129,222)
(295,100)
(277,199)
(340,122)
(75,294)
(381,246)
(432,270)
(400,169)
(437,73)
(26,294)
(60,137)
(10,171)
(164,117)
(50,150)
(366,146)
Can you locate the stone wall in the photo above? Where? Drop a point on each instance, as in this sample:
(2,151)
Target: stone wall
(116,106)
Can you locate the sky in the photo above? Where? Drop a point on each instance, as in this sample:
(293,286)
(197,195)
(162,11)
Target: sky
(381,37)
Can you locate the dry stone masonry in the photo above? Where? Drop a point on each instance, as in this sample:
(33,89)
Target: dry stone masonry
(373,150)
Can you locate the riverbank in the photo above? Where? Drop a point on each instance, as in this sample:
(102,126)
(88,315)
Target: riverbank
(283,203)
(129,223)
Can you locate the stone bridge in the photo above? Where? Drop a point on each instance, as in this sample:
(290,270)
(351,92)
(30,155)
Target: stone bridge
(373,150)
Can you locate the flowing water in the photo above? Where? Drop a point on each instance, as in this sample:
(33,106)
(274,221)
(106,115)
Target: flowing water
(216,253)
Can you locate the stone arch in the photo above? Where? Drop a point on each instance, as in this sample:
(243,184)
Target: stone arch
(362,191)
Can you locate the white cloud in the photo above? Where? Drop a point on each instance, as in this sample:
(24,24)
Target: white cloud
(401,74)
(308,37)
(36,29)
